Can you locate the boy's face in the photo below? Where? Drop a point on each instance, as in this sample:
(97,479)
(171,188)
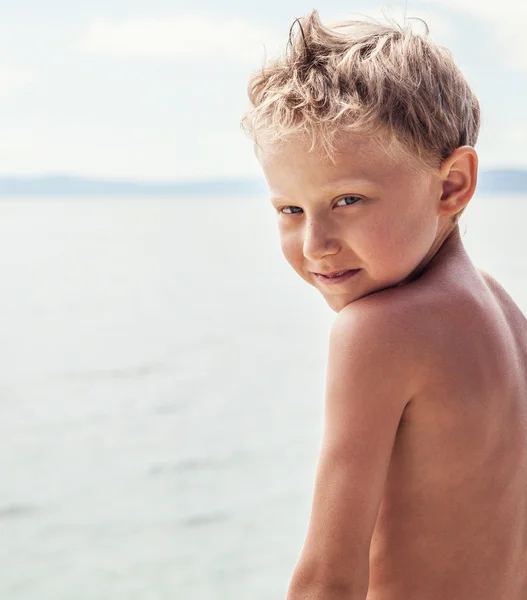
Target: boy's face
(371,214)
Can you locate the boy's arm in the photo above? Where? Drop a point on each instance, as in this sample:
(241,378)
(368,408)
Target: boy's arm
(369,383)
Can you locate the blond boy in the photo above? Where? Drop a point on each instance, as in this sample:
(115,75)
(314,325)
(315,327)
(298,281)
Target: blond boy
(366,133)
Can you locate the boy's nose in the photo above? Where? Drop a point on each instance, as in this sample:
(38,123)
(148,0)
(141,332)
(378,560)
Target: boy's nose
(318,242)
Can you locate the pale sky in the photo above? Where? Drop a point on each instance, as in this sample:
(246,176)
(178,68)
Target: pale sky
(155,89)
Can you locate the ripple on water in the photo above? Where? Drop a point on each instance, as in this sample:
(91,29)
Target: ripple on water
(205,519)
(14,511)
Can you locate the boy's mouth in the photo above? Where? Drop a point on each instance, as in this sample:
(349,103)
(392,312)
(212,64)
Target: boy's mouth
(336,276)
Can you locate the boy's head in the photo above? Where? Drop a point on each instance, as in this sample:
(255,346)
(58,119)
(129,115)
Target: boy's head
(365,134)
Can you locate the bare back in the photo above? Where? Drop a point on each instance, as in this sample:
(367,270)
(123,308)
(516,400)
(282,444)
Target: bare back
(453,519)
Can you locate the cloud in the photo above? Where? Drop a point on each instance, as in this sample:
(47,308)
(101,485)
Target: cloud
(508,19)
(439,26)
(12,80)
(187,35)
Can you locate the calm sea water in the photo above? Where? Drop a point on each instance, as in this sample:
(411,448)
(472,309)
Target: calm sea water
(161,390)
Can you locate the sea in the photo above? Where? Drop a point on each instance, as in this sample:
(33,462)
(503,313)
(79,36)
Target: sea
(161,393)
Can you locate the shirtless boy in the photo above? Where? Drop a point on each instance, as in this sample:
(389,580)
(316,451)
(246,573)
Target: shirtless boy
(366,136)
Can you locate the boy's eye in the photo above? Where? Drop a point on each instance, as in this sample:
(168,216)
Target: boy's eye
(347,200)
(344,201)
(290,210)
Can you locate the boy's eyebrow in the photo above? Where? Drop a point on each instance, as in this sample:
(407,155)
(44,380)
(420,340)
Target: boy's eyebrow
(347,181)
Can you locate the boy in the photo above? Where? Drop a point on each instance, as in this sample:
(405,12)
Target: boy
(365,134)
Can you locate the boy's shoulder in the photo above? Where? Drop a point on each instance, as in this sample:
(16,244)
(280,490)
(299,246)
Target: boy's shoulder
(389,332)
(419,323)
(398,315)
(436,326)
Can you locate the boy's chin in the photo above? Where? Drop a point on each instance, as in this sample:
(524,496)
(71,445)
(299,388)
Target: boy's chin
(338,301)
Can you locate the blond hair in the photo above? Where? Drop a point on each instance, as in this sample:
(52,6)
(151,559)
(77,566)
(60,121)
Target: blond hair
(364,77)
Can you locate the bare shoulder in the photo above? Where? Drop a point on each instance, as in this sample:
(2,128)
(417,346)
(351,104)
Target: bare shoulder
(458,316)
(501,295)
(510,324)
(392,330)
(382,320)
(430,325)
(399,316)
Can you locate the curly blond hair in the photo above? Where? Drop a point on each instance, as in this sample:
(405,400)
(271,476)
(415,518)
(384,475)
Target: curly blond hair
(365,77)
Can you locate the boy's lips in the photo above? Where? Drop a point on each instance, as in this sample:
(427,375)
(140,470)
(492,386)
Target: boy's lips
(333,273)
(336,276)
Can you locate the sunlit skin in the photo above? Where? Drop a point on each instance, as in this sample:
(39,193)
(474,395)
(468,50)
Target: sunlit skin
(421,485)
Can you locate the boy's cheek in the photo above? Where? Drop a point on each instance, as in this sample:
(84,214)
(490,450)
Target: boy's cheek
(292,249)
(399,246)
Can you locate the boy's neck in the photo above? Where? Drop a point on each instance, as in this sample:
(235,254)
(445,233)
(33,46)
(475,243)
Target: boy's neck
(446,243)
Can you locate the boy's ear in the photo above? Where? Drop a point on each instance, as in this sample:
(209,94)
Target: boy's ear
(459,174)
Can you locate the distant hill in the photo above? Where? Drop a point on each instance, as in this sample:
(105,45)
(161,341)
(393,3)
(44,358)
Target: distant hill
(69,185)
(503,181)
(492,181)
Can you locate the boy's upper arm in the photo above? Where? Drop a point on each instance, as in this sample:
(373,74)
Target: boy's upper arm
(369,383)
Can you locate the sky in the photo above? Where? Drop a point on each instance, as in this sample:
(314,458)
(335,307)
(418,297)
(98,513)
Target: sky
(155,89)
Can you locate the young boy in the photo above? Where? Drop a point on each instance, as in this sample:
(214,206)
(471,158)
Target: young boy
(365,134)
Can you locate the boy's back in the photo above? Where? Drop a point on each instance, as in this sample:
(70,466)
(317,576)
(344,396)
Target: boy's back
(453,519)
